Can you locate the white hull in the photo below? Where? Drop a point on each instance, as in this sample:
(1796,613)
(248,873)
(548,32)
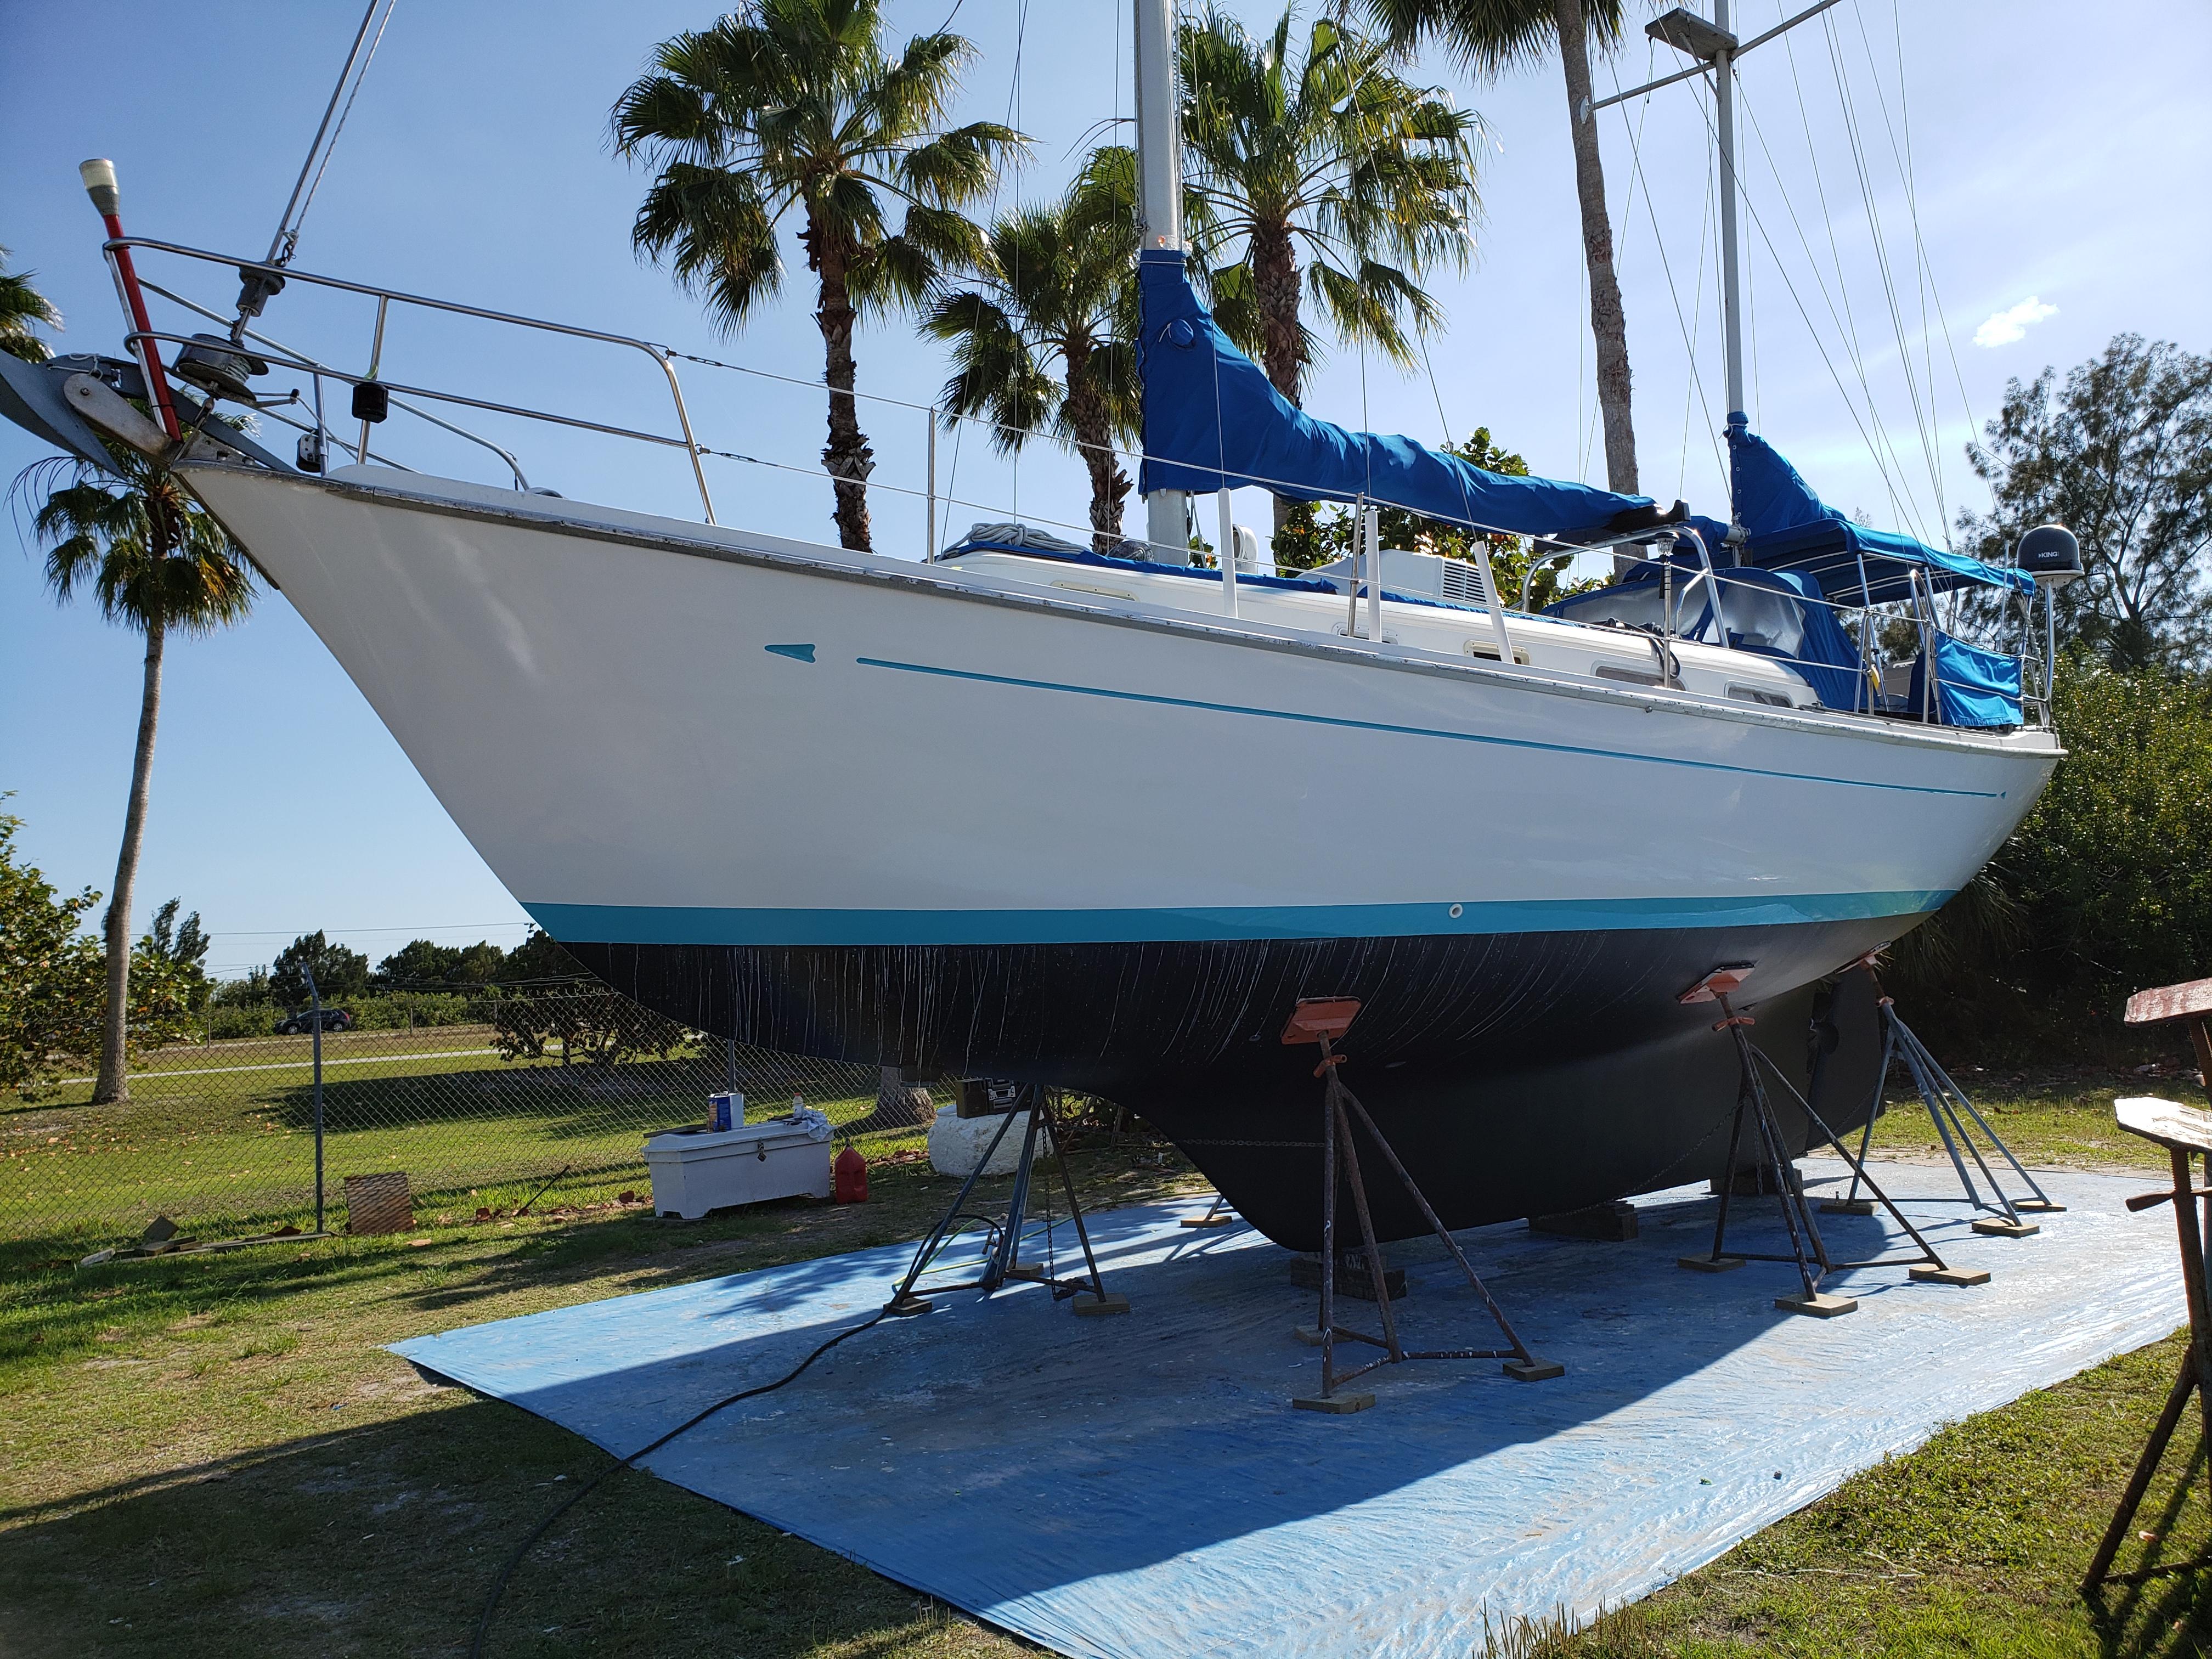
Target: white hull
(597,699)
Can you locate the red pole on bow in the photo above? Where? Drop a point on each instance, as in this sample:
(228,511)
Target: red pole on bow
(99,176)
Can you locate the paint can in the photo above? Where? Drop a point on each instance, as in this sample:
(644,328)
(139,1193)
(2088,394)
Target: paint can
(726,1111)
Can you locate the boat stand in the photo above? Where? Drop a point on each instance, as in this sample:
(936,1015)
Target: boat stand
(1322,1021)
(1002,1261)
(1218,1215)
(2185,1132)
(1808,1251)
(1944,1100)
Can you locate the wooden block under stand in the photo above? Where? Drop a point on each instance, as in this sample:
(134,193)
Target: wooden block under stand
(1353,1277)
(379,1203)
(1608,1224)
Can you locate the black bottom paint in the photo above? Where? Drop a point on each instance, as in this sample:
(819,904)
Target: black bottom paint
(1514,1074)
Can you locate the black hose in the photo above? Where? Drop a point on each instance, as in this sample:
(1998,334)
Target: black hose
(507,1572)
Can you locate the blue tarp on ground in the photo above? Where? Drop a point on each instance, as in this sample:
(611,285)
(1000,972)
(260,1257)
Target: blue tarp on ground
(1141,1485)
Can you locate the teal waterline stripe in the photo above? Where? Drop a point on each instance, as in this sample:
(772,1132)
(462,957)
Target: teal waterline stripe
(623,924)
(1412,731)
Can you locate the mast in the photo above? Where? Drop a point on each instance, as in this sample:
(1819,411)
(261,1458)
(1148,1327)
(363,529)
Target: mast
(1159,218)
(1731,302)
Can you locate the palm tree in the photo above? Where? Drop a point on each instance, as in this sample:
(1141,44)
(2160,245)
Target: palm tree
(21,307)
(1490,37)
(1326,153)
(153,561)
(794,104)
(1053,286)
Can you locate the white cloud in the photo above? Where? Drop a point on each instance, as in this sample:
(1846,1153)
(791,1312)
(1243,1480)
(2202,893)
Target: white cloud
(2009,325)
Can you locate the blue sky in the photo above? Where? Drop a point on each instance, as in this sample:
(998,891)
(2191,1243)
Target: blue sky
(2044,153)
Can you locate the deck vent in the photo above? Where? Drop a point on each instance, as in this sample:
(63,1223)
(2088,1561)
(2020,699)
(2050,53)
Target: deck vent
(1462,582)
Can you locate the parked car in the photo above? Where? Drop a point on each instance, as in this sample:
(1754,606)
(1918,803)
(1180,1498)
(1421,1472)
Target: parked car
(334,1020)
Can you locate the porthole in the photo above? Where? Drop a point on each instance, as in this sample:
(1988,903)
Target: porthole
(1454,912)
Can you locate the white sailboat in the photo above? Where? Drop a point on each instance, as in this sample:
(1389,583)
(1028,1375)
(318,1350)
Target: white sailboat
(1516,838)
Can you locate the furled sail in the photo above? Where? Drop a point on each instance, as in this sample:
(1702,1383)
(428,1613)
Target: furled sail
(1211,418)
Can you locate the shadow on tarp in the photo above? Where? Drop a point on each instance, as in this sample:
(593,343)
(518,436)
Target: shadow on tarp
(1142,1485)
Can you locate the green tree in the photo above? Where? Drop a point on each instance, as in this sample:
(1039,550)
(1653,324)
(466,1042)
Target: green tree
(1491,37)
(183,945)
(420,964)
(250,992)
(1319,151)
(50,972)
(790,105)
(2106,888)
(53,980)
(23,308)
(2122,455)
(1043,341)
(135,539)
(539,957)
(339,972)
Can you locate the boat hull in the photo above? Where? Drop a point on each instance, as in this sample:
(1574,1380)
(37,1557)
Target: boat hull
(1518,1074)
(853,807)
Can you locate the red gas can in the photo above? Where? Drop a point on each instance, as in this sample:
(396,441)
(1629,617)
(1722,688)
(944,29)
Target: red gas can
(848,1174)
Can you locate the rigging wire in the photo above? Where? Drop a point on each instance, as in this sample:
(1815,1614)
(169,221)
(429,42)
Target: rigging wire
(1846,321)
(1587,428)
(1882,247)
(1912,205)
(1665,266)
(286,239)
(1875,439)
(1759,225)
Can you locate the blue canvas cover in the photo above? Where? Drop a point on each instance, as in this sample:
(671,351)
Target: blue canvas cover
(1213,418)
(1973,686)
(1790,528)
(1775,613)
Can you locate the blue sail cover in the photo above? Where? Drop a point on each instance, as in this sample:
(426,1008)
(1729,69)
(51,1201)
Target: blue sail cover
(1790,528)
(1211,418)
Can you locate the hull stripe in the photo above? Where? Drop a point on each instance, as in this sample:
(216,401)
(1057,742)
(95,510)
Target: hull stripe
(646,924)
(1418,731)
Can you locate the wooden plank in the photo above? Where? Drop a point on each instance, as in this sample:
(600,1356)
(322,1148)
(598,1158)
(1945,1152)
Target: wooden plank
(2171,1002)
(2181,1128)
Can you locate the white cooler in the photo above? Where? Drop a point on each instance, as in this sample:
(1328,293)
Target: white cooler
(696,1170)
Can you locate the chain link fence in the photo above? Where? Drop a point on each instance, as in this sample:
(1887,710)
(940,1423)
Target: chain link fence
(544,1088)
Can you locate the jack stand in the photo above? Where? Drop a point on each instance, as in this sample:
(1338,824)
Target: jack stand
(1319,1021)
(1004,1260)
(1944,1100)
(1219,1216)
(1806,1247)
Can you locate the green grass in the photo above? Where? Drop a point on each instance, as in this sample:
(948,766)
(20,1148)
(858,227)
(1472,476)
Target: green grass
(211,1455)
(220,1137)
